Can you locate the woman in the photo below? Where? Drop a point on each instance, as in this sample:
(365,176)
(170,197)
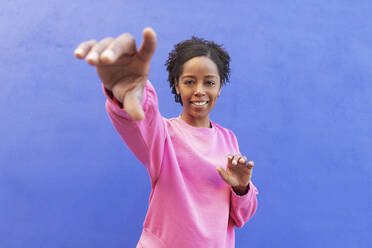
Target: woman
(197,196)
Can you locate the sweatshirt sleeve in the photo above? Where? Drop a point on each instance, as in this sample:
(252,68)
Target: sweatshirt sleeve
(145,138)
(242,207)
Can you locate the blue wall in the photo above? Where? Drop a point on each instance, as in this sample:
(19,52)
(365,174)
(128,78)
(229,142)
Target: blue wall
(299,102)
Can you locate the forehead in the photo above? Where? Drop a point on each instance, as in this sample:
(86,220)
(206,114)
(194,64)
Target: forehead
(200,65)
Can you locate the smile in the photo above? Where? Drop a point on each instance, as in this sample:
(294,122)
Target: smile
(199,103)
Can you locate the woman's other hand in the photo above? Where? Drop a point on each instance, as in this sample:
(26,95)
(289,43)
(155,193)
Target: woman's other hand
(121,67)
(238,173)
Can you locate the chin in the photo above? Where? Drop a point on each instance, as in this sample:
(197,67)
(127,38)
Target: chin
(200,115)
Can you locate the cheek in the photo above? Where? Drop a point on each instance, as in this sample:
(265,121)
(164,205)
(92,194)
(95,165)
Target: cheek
(215,97)
(185,94)
(214,101)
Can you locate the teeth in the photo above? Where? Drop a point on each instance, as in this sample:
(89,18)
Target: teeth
(199,103)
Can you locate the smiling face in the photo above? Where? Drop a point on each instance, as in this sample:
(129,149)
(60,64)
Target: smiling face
(199,86)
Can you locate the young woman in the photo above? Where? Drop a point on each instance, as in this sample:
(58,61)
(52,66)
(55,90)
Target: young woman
(201,184)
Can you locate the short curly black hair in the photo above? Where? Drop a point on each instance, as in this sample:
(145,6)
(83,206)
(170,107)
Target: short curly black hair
(195,47)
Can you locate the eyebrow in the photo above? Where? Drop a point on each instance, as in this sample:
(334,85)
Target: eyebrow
(191,76)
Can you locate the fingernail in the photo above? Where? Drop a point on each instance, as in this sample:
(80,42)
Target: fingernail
(109,54)
(234,162)
(92,56)
(79,51)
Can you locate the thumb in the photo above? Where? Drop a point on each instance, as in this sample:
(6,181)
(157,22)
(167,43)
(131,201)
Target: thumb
(132,105)
(223,174)
(148,45)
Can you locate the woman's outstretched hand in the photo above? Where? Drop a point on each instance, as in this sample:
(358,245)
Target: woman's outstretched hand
(121,67)
(238,173)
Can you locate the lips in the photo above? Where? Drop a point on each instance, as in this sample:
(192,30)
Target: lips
(199,103)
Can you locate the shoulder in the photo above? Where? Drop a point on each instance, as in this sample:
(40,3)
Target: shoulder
(228,136)
(171,123)
(222,129)
(227,133)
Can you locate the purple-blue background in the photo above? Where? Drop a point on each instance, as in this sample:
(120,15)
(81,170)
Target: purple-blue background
(299,102)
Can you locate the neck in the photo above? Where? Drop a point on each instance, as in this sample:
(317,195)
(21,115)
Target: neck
(205,122)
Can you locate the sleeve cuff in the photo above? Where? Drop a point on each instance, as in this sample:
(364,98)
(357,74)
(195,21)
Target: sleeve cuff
(117,107)
(252,192)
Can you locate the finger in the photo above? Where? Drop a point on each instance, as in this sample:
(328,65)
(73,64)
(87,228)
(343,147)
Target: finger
(250,164)
(133,106)
(123,45)
(243,160)
(229,159)
(94,53)
(223,174)
(148,45)
(235,159)
(83,49)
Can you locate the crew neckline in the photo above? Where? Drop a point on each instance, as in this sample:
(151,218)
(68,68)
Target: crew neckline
(198,130)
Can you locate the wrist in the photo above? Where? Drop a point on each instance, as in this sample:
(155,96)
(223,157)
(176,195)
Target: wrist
(241,190)
(113,98)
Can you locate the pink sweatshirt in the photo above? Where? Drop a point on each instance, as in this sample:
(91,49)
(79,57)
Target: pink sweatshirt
(190,205)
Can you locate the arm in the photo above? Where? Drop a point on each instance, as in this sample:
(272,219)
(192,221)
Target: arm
(243,207)
(132,103)
(145,138)
(243,200)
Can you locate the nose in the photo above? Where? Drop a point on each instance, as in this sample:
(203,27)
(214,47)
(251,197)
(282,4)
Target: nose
(199,90)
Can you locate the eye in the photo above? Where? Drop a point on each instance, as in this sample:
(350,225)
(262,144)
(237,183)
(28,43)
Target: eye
(188,82)
(210,83)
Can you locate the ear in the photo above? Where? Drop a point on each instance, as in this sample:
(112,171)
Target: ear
(177,88)
(219,91)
